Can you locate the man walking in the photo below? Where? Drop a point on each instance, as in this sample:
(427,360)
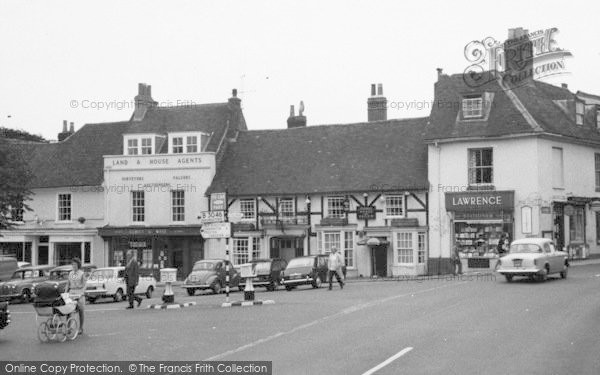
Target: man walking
(335,267)
(132,277)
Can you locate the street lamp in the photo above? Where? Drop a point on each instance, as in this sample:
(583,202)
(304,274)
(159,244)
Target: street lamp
(308,216)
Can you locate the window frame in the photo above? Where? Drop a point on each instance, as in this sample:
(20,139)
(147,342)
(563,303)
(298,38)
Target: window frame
(132,147)
(291,209)
(189,144)
(407,252)
(388,206)
(141,208)
(146,144)
(176,147)
(579,112)
(248,215)
(332,208)
(177,206)
(597,170)
(59,217)
(473,168)
(472,107)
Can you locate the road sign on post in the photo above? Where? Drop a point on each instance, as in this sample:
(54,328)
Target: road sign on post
(218,202)
(216,230)
(207,217)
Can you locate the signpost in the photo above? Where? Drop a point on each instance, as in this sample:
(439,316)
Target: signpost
(207,217)
(216,230)
(218,202)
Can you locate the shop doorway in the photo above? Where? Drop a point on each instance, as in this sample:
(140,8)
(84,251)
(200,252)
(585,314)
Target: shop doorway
(379,255)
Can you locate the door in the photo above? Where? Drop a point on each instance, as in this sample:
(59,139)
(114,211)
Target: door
(379,260)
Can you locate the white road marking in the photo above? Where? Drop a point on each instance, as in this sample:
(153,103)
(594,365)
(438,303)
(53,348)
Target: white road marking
(388,361)
(105,334)
(346,311)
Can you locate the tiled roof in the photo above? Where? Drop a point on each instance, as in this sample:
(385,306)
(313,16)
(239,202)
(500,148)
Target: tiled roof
(382,155)
(526,109)
(78,160)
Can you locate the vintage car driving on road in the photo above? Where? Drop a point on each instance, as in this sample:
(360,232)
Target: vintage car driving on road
(268,273)
(110,282)
(535,258)
(210,274)
(23,282)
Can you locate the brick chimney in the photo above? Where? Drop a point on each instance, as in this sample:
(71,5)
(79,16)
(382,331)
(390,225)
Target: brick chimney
(297,121)
(377,104)
(143,101)
(66,132)
(518,58)
(234,100)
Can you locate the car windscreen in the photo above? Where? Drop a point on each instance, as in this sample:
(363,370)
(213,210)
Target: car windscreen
(301,262)
(59,275)
(263,267)
(203,266)
(525,248)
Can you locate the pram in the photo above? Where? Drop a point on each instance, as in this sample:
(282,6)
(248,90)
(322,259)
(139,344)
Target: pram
(58,309)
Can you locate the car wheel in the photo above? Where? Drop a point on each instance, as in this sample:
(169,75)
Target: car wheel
(509,278)
(317,283)
(288,288)
(241,288)
(149,292)
(118,297)
(563,274)
(216,288)
(92,300)
(26,296)
(191,291)
(543,275)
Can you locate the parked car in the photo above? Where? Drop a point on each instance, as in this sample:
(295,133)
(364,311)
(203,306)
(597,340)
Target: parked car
(23,282)
(307,270)
(60,276)
(8,266)
(535,258)
(109,282)
(268,273)
(210,274)
(4,315)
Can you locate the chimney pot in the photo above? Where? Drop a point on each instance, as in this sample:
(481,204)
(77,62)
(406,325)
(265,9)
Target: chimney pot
(377,104)
(72,128)
(373,89)
(440,72)
(380,89)
(564,85)
(234,93)
(64,126)
(292,111)
(141,88)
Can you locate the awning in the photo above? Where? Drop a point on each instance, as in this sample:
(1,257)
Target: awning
(372,241)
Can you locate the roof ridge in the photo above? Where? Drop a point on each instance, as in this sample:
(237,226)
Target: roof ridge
(364,123)
(520,107)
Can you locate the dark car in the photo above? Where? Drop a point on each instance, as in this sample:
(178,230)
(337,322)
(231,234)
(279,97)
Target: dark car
(268,273)
(23,282)
(60,276)
(4,315)
(307,270)
(210,274)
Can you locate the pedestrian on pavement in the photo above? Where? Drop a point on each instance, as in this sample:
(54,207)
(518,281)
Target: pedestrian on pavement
(456,263)
(502,244)
(335,267)
(132,277)
(76,289)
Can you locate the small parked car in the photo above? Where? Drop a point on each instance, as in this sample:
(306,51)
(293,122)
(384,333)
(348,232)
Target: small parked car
(535,258)
(109,282)
(306,270)
(60,275)
(268,273)
(210,274)
(23,282)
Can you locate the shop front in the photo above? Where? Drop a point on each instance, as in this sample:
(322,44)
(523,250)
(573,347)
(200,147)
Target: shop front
(479,220)
(156,248)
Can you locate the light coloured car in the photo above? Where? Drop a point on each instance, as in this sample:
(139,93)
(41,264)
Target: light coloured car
(109,282)
(535,258)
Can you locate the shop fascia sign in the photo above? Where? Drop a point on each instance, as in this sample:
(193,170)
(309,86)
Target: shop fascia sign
(480,200)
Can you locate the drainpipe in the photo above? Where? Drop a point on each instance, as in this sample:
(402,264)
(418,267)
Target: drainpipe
(439,172)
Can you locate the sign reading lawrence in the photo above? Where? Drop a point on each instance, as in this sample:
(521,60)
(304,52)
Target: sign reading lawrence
(481,201)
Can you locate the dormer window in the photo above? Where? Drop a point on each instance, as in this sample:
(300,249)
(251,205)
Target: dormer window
(139,144)
(132,147)
(192,144)
(472,107)
(187,142)
(146,146)
(178,145)
(579,112)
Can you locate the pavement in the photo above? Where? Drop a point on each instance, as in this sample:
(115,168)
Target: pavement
(431,325)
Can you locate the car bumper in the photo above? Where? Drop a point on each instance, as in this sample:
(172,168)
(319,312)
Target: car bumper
(94,293)
(292,282)
(196,286)
(525,271)
(6,297)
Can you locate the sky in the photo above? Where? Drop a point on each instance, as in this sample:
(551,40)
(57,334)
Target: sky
(82,61)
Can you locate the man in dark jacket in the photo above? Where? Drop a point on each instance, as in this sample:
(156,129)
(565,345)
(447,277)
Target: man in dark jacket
(132,277)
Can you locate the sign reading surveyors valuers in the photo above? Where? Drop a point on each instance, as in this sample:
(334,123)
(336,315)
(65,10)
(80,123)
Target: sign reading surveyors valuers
(216,230)
(481,201)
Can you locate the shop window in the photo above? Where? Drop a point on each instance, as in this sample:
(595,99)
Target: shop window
(248,209)
(286,207)
(132,147)
(421,236)
(177,145)
(331,239)
(576,225)
(404,245)
(394,206)
(557,168)
(146,258)
(240,251)
(192,144)
(178,205)
(118,258)
(480,166)
(597,170)
(255,248)
(349,249)
(64,252)
(138,206)
(64,207)
(336,207)
(87,252)
(146,146)
(472,107)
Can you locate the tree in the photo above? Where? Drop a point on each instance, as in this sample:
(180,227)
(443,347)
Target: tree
(15,178)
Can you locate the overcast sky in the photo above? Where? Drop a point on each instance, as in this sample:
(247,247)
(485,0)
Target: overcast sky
(58,57)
